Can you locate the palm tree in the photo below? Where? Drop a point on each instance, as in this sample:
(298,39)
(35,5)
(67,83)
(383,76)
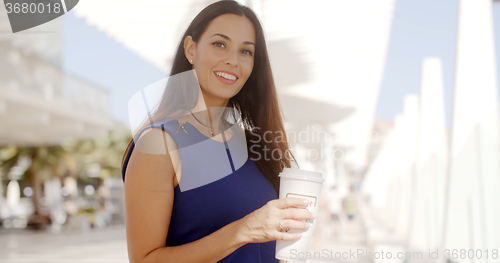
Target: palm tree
(46,162)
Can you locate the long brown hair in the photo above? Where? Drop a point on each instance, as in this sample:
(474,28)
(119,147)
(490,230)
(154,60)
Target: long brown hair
(256,103)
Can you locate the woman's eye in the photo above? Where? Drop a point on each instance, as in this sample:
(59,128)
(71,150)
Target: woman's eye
(219,44)
(248,52)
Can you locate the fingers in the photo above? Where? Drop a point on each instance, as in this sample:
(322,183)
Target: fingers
(293,218)
(286,236)
(294,224)
(290,201)
(297,213)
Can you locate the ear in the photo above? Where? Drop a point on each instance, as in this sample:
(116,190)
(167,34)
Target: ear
(189,48)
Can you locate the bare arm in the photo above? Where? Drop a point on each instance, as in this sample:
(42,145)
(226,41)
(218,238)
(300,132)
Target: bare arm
(149,197)
(211,248)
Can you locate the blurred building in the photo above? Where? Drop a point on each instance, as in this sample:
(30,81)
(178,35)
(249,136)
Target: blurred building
(40,103)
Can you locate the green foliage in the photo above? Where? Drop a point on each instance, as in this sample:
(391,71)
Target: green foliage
(72,157)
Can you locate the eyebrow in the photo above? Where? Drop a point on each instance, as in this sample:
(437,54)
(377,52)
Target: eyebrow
(226,37)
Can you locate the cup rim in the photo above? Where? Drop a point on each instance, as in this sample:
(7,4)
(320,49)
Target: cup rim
(290,173)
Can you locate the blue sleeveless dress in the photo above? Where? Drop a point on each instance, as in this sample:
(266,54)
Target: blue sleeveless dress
(202,206)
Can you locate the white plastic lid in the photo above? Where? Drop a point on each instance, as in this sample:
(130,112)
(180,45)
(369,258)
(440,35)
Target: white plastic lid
(302,174)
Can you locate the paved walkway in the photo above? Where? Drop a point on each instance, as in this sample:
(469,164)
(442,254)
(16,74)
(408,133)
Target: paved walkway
(338,240)
(106,245)
(333,241)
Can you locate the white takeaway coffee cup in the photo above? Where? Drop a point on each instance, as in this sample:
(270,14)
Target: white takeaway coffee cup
(306,185)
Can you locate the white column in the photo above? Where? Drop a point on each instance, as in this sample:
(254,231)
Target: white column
(404,164)
(379,179)
(430,170)
(474,174)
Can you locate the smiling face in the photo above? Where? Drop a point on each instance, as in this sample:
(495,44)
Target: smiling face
(223,57)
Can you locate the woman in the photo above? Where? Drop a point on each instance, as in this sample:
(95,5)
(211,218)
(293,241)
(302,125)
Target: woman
(238,217)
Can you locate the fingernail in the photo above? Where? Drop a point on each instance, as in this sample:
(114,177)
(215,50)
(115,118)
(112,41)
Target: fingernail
(313,216)
(306,202)
(299,235)
(308,225)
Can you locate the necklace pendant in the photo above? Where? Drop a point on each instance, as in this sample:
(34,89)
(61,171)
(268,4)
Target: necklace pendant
(181,125)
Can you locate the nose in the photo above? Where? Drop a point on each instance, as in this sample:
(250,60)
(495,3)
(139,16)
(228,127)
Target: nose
(232,59)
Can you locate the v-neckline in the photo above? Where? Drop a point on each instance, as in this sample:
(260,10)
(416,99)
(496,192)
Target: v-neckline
(194,128)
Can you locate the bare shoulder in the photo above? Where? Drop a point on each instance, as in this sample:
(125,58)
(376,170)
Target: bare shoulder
(155,141)
(151,158)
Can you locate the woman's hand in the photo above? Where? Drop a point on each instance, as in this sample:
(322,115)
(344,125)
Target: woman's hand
(263,225)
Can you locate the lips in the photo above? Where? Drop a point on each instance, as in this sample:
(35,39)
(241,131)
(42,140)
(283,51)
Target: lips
(226,77)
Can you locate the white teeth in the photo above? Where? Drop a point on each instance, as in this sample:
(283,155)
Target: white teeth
(225,75)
